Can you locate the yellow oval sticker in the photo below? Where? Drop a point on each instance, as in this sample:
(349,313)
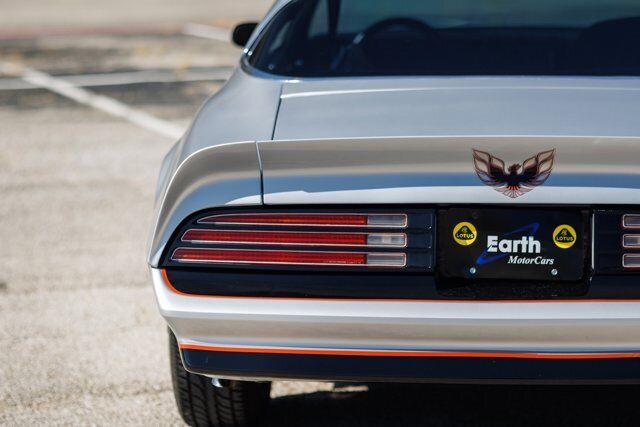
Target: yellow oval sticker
(465,233)
(565,236)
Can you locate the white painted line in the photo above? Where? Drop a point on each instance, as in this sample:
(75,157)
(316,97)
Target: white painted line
(150,76)
(127,78)
(207,32)
(14,84)
(99,102)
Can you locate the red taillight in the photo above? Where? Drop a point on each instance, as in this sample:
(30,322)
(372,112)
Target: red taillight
(196,255)
(320,239)
(631,242)
(202,236)
(311,220)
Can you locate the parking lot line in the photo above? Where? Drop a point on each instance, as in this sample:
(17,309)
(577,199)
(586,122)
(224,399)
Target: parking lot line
(207,32)
(99,102)
(217,74)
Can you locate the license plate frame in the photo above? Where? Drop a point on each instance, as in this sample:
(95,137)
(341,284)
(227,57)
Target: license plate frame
(516,244)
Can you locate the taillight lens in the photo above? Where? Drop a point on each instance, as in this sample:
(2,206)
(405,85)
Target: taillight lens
(631,261)
(616,247)
(631,222)
(631,241)
(354,240)
(295,238)
(311,220)
(232,256)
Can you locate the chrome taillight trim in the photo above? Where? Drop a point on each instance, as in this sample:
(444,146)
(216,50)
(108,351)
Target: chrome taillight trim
(396,221)
(402,237)
(631,221)
(378,259)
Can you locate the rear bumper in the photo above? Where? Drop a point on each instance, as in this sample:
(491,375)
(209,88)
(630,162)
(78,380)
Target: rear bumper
(425,340)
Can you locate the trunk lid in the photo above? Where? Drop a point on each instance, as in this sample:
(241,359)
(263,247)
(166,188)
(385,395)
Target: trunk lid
(354,108)
(411,140)
(586,171)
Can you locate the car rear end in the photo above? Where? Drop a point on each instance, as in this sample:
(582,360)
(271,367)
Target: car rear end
(409,191)
(353,265)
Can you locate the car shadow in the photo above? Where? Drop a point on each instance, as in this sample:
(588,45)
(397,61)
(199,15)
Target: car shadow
(457,405)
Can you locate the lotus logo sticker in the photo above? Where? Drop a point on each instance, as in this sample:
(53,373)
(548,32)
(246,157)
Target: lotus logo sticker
(564,236)
(518,179)
(465,234)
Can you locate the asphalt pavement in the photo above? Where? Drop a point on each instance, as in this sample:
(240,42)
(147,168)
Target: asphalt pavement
(81,340)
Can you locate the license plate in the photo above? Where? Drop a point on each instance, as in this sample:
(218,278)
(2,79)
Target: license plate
(519,244)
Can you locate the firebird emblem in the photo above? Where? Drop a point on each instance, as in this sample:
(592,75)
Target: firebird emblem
(535,171)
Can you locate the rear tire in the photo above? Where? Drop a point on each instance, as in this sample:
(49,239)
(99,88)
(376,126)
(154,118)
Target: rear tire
(238,404)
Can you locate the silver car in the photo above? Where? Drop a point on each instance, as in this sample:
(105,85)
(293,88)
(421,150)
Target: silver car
(415,191)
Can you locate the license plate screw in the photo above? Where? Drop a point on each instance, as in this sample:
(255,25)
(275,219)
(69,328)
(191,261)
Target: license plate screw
(473,270)
(554,272)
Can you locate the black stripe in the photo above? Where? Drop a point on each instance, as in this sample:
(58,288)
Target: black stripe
(409,369)
(389,286)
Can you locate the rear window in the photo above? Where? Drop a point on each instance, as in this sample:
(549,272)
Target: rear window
(324,38)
